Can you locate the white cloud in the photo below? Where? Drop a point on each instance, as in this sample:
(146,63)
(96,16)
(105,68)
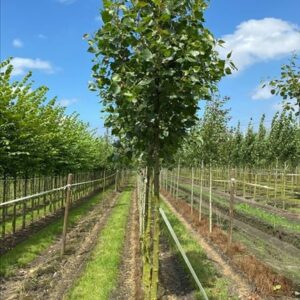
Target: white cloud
(68,102)
(22,65)
(66,1)
(41,36)
(17,43)
(262,93)
(254,41)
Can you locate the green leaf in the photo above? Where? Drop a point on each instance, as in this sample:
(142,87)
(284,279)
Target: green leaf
(145,81)
(228,71)
(116,78)
(115,88)
(195,53)
(147,55)
(106,16)
(141,4)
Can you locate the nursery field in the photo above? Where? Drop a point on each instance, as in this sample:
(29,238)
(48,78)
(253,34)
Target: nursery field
(186,186)
(269,233)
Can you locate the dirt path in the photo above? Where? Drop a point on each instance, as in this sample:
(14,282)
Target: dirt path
(48,276)
(129,281)
(242,287)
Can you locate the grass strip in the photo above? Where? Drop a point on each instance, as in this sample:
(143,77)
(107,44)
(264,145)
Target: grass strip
(101,272)
(28,250)
(214,284)
(269,218)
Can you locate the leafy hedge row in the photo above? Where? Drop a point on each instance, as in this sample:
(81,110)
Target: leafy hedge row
(36,135)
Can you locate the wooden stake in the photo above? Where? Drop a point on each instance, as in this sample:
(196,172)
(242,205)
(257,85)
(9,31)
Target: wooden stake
(201,191)
(68,197)
(231,206)
(210,200)
(192,191)
(104,183)
(116,181)
(255,186)
(178,174)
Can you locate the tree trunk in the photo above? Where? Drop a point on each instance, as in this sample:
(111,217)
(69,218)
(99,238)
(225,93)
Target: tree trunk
(146,244)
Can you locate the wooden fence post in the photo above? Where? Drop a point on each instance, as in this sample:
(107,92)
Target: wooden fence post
(231,207)
(116,181)
(68,197)
(177,184)
(192,191)
(4,210)
(104,182)
(244,184)
(201,191)
(255,186)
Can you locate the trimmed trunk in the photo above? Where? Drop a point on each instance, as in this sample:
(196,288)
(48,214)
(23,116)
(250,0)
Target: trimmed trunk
(146,246)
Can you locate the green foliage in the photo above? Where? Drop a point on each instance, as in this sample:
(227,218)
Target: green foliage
(153,62)
(208,140)
(288,85)
(212,141)
(37,136)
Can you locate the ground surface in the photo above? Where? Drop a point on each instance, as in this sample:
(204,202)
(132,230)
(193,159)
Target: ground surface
(48,276)
(174,281)
(242,287)
(251,272)
(280,255)
(129,281)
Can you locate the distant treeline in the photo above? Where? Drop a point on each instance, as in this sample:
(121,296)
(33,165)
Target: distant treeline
(213,141)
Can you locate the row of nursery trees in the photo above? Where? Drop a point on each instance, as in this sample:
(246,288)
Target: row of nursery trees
(37,137)
(213,141)
(153,61)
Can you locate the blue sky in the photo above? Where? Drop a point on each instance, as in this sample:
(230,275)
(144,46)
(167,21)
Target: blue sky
(46,36)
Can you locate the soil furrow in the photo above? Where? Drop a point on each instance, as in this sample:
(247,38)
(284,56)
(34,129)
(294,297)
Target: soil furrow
(242,287)
(49,276)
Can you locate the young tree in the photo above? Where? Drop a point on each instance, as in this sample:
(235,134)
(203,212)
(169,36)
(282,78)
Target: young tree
(288,85)
(260,144)
(247,148)
(214,132)
(237,142)
(154,60)
(282,142)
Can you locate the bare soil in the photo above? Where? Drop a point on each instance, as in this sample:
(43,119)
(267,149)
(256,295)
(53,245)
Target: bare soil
(253,279)
(49,276)
(174,281)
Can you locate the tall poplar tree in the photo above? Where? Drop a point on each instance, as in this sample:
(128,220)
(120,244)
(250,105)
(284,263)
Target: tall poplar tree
(154,60)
